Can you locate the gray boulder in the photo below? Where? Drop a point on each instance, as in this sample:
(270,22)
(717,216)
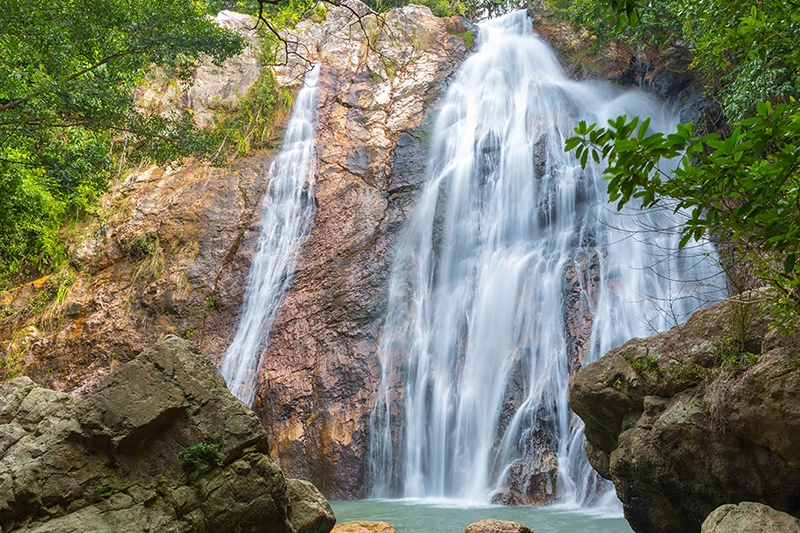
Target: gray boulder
(310,512)
(749,517)
(160,445)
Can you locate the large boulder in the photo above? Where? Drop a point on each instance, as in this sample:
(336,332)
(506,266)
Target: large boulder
(310,512)
(160,445)
(749,517)
(705,414)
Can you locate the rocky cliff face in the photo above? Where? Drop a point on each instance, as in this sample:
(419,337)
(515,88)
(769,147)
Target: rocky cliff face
(160,445)
(320,372)
(700,416)
(172,255)
(166,255)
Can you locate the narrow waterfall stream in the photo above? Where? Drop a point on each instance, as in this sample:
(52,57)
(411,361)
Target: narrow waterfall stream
(286,212)
(514,271)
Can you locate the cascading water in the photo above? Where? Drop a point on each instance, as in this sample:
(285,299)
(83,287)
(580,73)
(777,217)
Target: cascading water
(286,212)
(475,352)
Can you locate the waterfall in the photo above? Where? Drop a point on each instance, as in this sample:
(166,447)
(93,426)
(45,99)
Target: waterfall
(510,240)
(286,211)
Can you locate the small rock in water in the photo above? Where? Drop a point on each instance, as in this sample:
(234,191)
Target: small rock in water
(749,517)
(362,526)
(492,525)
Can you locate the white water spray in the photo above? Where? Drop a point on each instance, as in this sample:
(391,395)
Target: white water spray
(286,212)
(475,362)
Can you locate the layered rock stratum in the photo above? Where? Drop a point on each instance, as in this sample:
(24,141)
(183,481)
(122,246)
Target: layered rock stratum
(159,445)
(703,415)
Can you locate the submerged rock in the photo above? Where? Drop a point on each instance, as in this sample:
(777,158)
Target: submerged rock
(160,445)
(493,525)
(749,517)
(363,526)
(705,414)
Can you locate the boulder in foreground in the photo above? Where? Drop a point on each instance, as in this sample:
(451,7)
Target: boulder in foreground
(749,517)
(703,415)
(160,445)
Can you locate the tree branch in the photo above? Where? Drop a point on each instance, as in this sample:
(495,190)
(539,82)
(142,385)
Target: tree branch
(19,101)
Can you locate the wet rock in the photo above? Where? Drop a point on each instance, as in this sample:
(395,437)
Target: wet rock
(161,445)
(310,511)
(749,517)
(492,525)
(691,419)
(320,371)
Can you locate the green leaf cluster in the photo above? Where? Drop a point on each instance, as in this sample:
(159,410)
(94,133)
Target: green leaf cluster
(651,24)
(66,106)
(201,455)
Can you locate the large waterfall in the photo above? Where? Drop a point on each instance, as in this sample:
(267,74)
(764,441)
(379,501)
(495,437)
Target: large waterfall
(286,212)
(513,271)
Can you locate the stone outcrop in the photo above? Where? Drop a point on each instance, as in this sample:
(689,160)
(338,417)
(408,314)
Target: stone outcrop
(170,259)
(493,525)
(160,445)
(749,517)
(214,87)
(703,415)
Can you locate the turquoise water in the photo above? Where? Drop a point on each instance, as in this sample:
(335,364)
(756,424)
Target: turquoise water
(408,516)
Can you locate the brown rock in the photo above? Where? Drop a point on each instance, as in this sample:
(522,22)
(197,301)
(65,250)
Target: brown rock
(320,371)
(492,525)
(749,517)
(362,526)
(690,419)
(172,260)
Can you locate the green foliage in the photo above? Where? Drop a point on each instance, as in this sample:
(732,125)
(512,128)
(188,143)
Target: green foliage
(679,374)
(471,9)
(644,365)
(254,122)
(731,356)
(200,456)
(740,188)
(747,50)
(657,22)
(66,95)
(468,38)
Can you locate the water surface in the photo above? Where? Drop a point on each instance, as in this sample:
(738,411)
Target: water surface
(414,516)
